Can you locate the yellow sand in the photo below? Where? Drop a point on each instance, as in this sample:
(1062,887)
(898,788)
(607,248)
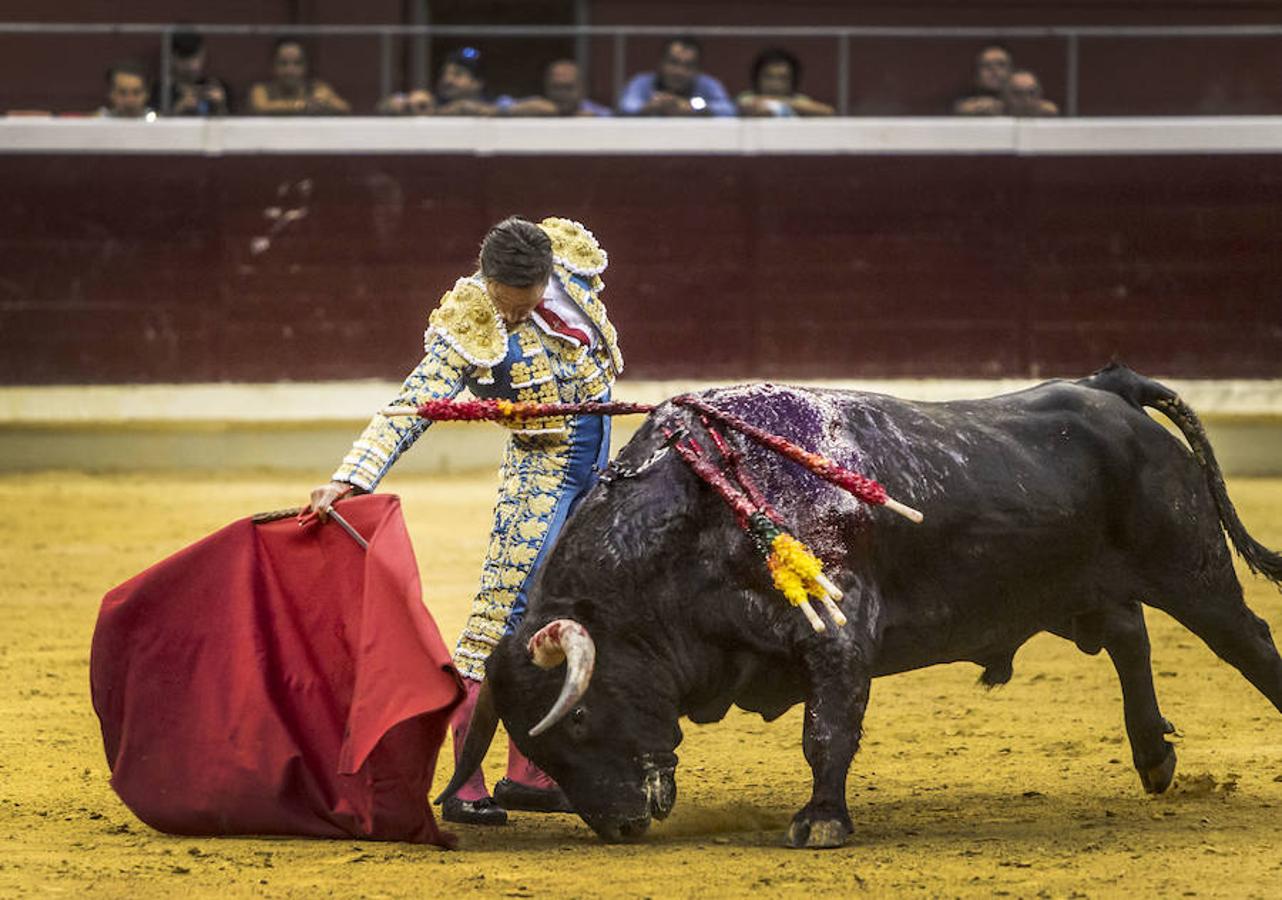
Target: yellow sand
(1027,790)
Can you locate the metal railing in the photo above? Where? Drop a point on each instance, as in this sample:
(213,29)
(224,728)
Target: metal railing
(1071,35)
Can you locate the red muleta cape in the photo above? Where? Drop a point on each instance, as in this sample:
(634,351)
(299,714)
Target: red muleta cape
(272,679)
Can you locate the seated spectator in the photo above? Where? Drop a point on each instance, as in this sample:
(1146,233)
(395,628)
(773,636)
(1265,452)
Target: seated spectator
(562,95)
(460,86)
(992,69)
(460,91)
(677,88)
(776,75)
(291,92)
(191,91)
(417,102)
(1023,96)
(127,88)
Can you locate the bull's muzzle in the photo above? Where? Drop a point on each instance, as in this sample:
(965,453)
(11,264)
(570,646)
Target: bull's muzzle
(628,816)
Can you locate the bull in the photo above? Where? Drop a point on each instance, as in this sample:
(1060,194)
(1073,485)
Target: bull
(1060,508)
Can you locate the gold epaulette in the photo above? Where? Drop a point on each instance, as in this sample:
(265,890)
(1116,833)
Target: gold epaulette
(467,320)
(589,300)
(574,247)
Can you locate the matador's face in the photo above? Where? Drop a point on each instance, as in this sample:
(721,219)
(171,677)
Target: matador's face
(514,303)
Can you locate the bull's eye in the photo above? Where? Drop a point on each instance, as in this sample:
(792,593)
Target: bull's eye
(577,723)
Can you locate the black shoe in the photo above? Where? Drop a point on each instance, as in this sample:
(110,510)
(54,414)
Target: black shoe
(473,812)
(514,795)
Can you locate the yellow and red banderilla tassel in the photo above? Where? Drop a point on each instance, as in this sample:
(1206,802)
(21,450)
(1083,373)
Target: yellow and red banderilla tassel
(797,573)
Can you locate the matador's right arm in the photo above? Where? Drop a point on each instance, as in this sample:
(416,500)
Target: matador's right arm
(465,336)
(438,377)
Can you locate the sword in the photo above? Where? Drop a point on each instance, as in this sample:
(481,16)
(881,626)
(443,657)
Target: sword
(356,535)
(311,517)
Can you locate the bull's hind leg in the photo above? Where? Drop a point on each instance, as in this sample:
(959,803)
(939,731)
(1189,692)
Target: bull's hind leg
(1217,614)
(836,698)
(1120,630)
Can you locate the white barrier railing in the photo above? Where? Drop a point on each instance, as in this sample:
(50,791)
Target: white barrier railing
(497,137)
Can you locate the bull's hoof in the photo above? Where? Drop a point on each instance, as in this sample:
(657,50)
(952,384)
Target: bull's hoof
(1157,779)
(823,834)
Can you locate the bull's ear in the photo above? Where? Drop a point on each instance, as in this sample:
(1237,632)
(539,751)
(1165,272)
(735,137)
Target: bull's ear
(480,734)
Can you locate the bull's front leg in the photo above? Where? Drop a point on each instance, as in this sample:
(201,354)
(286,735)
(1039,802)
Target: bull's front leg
(838,695)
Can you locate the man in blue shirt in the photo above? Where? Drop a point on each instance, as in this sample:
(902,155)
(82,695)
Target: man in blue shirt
(678,88)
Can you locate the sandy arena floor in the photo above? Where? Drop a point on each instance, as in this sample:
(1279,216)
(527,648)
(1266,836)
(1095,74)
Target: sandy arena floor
(1024,791)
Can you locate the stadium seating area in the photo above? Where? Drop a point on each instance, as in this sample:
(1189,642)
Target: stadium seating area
(911,59)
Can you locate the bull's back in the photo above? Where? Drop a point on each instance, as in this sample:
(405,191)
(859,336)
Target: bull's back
(1031,501)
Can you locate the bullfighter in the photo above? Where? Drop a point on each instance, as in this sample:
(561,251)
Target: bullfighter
(528,325)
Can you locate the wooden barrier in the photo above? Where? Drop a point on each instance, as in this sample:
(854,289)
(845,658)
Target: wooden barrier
(256,251)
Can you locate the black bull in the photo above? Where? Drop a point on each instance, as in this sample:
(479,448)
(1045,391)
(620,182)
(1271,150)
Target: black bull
(1060,508)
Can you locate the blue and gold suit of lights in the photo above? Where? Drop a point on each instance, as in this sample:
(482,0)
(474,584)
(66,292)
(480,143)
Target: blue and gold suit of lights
(548,463)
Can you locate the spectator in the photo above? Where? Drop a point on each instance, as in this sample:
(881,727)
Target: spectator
(1023,96)
(460,86)
(562,95)
(127,90)
(992,69)
(678,87)
(417,102)
(776,74)
(291,92)
(191,91)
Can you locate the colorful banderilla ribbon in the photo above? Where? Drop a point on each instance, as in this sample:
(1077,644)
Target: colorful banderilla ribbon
(864,488)
(796,571)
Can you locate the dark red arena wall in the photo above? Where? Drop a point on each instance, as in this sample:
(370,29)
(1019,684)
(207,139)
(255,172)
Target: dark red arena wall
(124,268)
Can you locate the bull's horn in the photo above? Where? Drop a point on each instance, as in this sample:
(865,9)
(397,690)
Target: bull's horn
(563,639)
(480,733)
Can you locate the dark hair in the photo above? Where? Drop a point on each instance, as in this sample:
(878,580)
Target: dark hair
(686,40)
(186,44)
(127,67)
(776,55)
(516,252)
(466,58)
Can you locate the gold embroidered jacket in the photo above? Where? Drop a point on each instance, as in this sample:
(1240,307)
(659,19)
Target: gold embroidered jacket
(467,344)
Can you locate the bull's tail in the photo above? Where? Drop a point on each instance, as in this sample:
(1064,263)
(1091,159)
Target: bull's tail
(1140,392)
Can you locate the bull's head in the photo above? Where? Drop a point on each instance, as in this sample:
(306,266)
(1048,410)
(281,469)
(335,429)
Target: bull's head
(608,745)
(590,686)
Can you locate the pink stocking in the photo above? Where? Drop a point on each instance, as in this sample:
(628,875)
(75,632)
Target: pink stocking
(474,788)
